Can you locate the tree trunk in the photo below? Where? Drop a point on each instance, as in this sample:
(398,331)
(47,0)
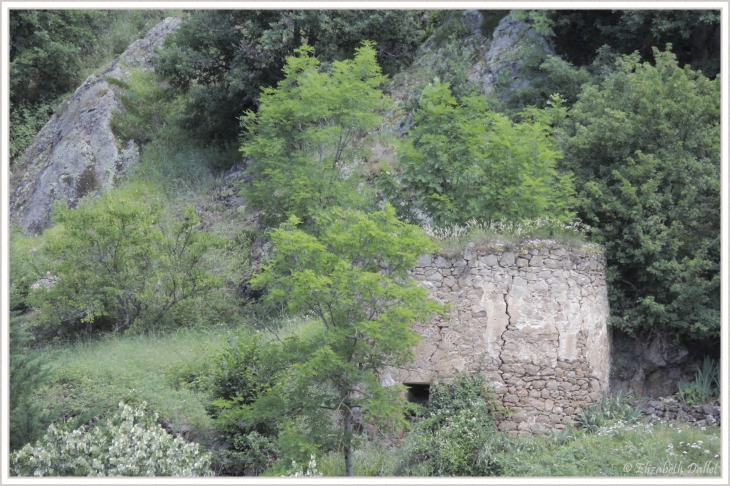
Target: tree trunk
(348,443)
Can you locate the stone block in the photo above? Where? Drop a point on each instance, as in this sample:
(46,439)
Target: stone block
(536,261)
(507,425)
(490,260)
(507,259)
(510,398)
(519,417)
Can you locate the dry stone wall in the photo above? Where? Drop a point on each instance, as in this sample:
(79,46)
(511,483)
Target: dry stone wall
(533,319)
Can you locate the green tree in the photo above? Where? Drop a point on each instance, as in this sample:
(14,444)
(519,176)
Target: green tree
(695,34)
(353,278)
(465,162)
(302,142)
(645,149)
(222,58)
(119,264)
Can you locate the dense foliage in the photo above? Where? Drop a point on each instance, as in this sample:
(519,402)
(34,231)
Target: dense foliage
(303,141)
(119,265)
(131,444)
(464,161)
(450,441)
(245,371)
(225,57)
(27,373)
(644,146)
(695,34)
(353,278)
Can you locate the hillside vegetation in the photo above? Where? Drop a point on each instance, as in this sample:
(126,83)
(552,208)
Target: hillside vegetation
(248,279)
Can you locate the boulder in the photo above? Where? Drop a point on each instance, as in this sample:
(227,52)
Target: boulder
(76,153)
(511,42)
(472,20)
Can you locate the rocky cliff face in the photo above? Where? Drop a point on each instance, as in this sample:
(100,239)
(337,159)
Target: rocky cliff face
(511,44)
(649,368)
(75,153)
(533,319)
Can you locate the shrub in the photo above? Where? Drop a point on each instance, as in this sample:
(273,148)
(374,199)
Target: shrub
(644,146)
(119,265)
(465,162)
(147,106)
(131,444)
(27,373)
(706,386)
(609,410)
(450,440)
(302,141)
(243,373)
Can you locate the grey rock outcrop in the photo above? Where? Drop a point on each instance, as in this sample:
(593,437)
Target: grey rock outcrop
(472,20)
(76,153)
(512,42)
(651,369)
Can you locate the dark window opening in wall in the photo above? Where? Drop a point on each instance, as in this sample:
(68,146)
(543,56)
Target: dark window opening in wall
(418,393)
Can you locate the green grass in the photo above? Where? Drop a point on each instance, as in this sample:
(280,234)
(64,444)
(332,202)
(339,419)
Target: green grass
(573,452)
(618,450)
(168,372)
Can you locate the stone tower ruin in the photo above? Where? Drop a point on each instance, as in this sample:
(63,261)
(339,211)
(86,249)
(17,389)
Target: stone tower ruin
(533,319)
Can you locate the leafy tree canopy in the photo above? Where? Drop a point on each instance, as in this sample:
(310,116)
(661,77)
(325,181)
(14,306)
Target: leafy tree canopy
(225,57)
(464,161)
(303,141)
(645,148)
(695,34)
(119,264)
(353,278)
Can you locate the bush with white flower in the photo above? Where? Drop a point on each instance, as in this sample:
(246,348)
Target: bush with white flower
(131,444)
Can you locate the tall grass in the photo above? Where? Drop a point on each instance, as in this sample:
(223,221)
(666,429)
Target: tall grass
(615,449)
(454,239)
(706,386)
(619,449)
(89,378)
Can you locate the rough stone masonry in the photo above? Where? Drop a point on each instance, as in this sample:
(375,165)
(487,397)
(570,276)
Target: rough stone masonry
(533,319)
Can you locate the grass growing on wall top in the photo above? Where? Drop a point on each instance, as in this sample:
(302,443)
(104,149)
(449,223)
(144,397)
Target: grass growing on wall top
(506,234)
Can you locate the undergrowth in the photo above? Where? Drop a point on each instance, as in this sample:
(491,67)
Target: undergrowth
(454,239)
(169,372)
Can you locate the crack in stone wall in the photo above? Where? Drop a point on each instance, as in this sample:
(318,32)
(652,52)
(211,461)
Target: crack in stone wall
(532,318)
